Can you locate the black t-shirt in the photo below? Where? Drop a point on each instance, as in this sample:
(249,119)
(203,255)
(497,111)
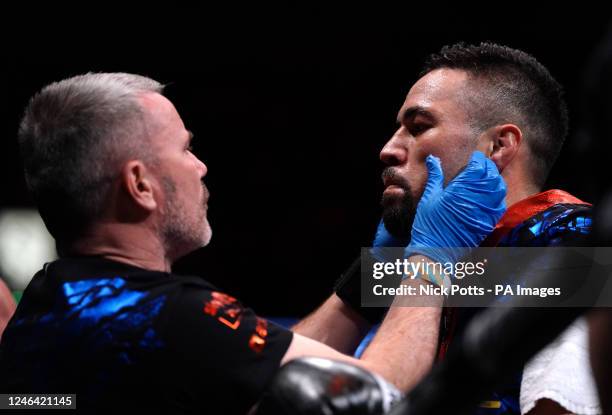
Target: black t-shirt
(124,337)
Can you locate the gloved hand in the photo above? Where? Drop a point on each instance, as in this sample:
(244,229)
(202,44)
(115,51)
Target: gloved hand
(384,244)
(384,239)
(460,215)
(316,385)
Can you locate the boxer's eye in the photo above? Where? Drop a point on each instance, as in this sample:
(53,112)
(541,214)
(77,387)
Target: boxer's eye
(417,128)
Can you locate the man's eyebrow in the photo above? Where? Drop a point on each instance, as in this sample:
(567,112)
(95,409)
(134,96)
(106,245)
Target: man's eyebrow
(412,112)
(189,136)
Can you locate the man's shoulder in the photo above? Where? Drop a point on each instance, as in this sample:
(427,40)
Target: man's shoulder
(197,292)
(193,283)
(561,224)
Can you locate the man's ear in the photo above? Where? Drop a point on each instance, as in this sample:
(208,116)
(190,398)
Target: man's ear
(503,145)
(138,184)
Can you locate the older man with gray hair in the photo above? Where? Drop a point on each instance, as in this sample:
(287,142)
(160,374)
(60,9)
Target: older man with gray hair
(109,163)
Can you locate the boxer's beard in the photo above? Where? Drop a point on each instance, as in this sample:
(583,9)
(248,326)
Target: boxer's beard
(398,211)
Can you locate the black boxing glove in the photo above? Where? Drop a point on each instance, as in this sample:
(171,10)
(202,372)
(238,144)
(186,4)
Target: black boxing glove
(317,386)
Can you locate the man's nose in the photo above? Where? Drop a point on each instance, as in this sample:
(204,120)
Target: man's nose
(394,153)
(201,167)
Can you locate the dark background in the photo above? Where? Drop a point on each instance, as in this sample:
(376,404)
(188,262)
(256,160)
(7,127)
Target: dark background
(290,108)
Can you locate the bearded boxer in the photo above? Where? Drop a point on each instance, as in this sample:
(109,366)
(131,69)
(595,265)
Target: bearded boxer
(506,104)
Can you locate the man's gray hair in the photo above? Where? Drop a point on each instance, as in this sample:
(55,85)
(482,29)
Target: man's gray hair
(74,136)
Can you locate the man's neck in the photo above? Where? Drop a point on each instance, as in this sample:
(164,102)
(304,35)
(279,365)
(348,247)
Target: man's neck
(130,244)
(519,191)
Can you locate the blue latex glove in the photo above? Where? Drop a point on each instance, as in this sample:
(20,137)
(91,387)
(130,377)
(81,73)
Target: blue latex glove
(384,239)
(460,215)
